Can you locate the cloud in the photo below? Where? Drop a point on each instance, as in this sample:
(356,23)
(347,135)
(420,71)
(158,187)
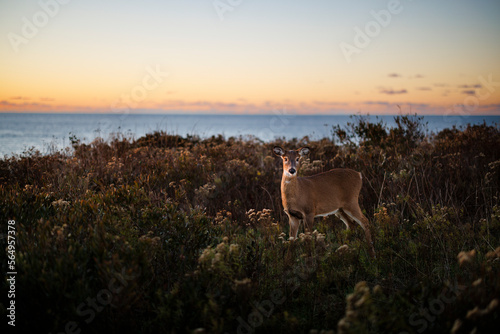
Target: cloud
(330,104)
(203,105)
(469,92)
(470,86)
(24,105)
(494,108)
(397,75)
(393,92)
(424,88)
(378,103)
(420,105)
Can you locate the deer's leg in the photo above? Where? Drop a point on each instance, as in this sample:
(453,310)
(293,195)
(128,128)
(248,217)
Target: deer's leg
(345,218)
(353,210)
(309,222)
(294,226)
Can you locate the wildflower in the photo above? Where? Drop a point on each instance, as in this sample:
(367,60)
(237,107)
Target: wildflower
(361,286)
(476,312)
(263,217)
(233,248)
(242,287)
(361,301)
(60,204)
(493,254)
(305,236)
(342,249)
(60,232)
(148,238)
(207,254)
(217,258)
(456,326)
(466,257)
(220,247)
(223,217)
(205,192)
(242,283)
(320,240)
(343,325)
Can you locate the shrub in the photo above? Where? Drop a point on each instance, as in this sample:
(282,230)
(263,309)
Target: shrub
(140,235)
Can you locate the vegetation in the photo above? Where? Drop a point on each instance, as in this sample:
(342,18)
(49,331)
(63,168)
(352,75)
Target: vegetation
(166,234)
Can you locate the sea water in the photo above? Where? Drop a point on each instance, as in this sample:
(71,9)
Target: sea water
(47,132)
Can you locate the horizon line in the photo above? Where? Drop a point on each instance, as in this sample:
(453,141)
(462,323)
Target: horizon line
(233,113)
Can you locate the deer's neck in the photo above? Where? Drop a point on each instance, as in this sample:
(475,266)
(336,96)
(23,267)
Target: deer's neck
(289,186)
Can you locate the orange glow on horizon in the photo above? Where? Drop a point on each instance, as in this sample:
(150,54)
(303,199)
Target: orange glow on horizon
(184,58)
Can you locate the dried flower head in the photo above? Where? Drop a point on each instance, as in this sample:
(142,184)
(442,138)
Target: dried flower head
(466,257)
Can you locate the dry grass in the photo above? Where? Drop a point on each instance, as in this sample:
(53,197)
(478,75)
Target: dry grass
(171,234)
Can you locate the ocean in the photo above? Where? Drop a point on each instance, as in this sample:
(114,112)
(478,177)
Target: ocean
(47,133)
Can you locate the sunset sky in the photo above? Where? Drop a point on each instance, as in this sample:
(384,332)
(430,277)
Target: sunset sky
(250,56)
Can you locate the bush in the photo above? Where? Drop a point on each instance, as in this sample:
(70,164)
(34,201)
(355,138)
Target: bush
(172,234)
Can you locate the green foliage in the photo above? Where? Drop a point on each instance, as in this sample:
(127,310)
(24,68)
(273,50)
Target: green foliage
(171,234)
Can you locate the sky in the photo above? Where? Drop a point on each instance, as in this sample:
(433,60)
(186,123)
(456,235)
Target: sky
(250,56)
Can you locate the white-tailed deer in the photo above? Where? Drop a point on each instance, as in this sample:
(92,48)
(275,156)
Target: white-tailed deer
(333,192)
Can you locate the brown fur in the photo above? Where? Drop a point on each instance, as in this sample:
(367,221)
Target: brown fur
(333,192)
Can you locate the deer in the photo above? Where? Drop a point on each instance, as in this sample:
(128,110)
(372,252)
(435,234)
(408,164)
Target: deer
(333,192)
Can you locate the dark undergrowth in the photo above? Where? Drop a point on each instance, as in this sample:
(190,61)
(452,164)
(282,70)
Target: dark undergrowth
(166,234)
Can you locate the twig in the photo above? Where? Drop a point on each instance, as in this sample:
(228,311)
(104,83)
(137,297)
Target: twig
(405,260)
(270,197)
(381,188)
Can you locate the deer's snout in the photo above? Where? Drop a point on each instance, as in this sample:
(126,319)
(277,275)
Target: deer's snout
(292,170)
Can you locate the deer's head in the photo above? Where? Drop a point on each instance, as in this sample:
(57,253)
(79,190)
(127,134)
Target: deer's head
(291,159)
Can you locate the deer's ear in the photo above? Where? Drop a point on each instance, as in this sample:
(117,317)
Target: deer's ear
(304,151)
(278,151)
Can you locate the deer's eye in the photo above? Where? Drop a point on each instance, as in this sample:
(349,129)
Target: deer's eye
(286,159)
(297,160)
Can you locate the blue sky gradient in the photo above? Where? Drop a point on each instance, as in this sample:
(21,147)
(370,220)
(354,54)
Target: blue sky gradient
(251,56)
